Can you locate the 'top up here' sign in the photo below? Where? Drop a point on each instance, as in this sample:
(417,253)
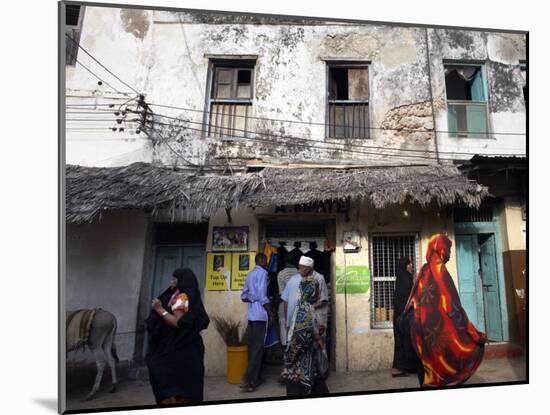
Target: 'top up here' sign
(353,279)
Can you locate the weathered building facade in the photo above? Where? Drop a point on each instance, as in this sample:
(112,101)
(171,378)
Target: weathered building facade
(309,130)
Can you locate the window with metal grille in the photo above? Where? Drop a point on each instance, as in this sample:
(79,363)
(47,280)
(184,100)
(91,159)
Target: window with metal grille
(348,101)
(231,98)
(73,24)
(464,214)
(385,251)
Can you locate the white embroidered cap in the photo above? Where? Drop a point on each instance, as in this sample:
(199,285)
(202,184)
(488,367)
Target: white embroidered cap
(306,261)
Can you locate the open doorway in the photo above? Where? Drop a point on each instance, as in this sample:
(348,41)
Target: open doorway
(292,239)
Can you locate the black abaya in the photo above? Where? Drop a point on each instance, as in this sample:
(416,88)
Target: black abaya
(175,357)
(404,356)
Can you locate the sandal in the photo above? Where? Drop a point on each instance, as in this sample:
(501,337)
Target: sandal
(249,388)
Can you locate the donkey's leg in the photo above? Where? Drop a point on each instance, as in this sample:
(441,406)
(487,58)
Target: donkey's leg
(100,363)
(110,359)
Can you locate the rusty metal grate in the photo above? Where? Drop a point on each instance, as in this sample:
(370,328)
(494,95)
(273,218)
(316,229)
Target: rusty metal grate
(483,214)
(385,250)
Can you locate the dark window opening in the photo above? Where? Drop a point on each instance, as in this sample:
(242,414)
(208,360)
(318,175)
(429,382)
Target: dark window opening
(73,21)
(244,76)
(523,69)
(72,13)
(338,84)
(348,102)
(457,88)
(180,233)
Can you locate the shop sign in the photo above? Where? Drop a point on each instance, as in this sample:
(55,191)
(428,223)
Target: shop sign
(242,264)
(218,271)
(230,238)
(352,279)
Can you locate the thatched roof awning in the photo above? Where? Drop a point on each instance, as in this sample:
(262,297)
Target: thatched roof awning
(91,190)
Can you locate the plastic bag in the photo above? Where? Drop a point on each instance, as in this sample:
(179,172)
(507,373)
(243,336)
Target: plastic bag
(321,362)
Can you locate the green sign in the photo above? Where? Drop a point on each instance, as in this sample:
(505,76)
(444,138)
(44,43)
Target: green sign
(354,279)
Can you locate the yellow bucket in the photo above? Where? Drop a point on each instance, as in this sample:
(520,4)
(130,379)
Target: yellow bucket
(237,362)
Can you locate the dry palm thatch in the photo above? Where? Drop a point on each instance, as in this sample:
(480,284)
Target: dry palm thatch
(91,190)
(229,331)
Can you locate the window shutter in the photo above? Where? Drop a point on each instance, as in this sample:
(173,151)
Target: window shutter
(478,91)
(452,121)
(477,121)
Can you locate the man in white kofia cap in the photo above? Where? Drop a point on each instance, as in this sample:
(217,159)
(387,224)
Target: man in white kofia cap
(292,289)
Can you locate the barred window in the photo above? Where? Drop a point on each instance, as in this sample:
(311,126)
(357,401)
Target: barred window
(385,250)
(465,214)
(231,98)
(348,101)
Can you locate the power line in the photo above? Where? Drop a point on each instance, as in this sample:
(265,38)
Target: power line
(321,141)
(78,106)
(106,139)
(100,119)
(189,163)
(120,155)
(273,143)
(319,123)
(90,71)
(100,64)
(309,141)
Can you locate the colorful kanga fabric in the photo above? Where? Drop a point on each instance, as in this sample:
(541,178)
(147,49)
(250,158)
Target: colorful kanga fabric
(180,302)
(298,356)
(450,347)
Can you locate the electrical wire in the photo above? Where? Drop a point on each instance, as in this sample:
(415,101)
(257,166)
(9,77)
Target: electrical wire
(278,136)
(308,143)
(90,71)
(320,123)
(189,163)
(100,64)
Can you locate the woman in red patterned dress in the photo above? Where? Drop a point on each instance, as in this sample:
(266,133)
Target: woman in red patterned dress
(448,344)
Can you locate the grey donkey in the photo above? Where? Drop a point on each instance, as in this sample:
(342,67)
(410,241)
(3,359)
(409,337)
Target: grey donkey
(102,345)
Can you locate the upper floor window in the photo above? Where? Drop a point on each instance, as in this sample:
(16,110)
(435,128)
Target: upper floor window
(348,101)
(73,25)
(231,98)
(523,69)
(466,101)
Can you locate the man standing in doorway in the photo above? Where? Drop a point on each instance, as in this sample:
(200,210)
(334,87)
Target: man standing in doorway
(259,314)
(290,294)
(283,277)
(291,299)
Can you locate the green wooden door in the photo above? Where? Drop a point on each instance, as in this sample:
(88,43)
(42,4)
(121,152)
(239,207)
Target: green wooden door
(489,276)
(469,282)
(169,258)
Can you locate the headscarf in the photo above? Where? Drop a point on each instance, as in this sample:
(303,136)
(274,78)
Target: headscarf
(196,318)
(403,286)
(299,353)
(450,347)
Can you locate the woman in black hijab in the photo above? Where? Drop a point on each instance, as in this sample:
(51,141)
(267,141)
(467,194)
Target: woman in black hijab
(404,357)
(175,357)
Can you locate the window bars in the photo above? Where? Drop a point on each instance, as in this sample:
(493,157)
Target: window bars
(385,251)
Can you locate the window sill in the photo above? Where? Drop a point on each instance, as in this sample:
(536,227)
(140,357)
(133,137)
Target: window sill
(228,139)
(469,137)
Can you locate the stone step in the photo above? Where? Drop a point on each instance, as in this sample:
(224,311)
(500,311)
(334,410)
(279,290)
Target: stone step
(502,351)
